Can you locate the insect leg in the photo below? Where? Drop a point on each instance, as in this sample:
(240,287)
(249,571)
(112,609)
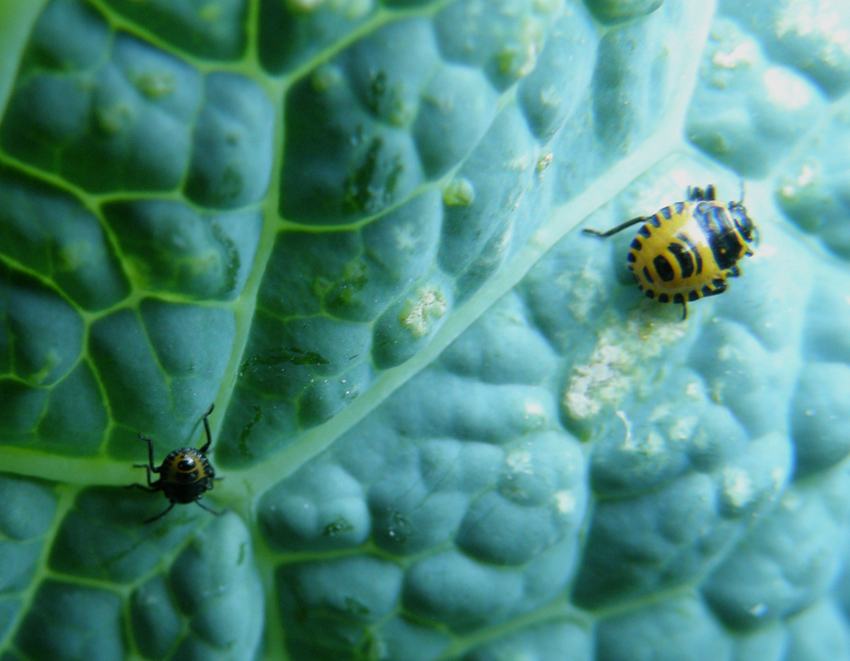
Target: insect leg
(618,228)
(150,453)
(142,487)
(204,507)
(207,429)
(148,471)
(718,286)
(697,194)
(161,514)
(152,486)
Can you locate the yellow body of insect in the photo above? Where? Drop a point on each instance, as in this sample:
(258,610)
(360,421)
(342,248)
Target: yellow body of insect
(687,250)
(185,475)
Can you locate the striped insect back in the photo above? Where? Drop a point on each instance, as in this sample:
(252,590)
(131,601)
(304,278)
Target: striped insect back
(184,476)
(721,234)
(186,465)
(686,250)
(664,254)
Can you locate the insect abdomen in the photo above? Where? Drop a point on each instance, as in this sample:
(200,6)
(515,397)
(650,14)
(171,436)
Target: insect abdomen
(186,474)
(687,250)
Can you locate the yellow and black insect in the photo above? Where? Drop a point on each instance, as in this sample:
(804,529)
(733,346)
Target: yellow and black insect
(686,251)
(185,475)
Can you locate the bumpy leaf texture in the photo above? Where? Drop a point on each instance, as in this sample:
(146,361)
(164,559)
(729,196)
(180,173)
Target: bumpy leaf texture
(449,424)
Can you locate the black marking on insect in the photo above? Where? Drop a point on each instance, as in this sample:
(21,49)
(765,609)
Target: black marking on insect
(185,475)
(686,250)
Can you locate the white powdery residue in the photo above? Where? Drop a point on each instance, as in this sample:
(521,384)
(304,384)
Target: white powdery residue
(766,251)
(737,487)
(597,382)
(586,292)
(684,428)
(405,237)
(693,389)
(519,461)
(534,413)
(550,96)
(418,314)
(652,446)
(779,476)
(533,36)
(565,502)
(617,361)
(743,54)
(661,337)
(808,175)
(819,23)
(786,90)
